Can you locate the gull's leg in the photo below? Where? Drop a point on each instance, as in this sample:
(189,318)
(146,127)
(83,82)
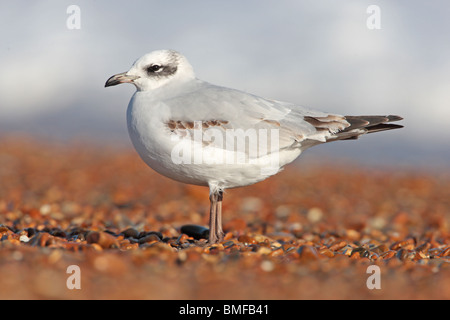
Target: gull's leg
(213,218)
(219,231)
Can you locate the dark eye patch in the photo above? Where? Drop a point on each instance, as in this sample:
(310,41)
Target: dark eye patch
(157,70)
(154,68)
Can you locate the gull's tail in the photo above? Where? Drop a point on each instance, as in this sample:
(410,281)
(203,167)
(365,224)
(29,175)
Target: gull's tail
(366,124)
(334,127)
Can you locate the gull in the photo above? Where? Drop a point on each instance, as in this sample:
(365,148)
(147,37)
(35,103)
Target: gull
(199,133)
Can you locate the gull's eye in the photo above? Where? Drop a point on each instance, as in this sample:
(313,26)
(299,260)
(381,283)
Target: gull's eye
(154,68)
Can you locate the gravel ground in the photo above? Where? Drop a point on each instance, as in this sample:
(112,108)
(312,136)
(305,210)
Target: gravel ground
(311,232)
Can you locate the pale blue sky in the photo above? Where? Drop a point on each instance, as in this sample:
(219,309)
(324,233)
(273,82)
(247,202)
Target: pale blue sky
(317,53)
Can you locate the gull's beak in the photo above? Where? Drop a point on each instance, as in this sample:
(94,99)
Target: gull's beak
(120,78)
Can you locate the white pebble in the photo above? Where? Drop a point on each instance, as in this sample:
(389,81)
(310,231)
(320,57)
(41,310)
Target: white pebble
(24,238)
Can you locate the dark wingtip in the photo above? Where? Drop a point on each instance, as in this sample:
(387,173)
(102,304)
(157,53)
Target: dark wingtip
(394,118)
(383,127)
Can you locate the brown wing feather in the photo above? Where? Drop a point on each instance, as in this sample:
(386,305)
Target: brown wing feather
(367,124)
(351,127)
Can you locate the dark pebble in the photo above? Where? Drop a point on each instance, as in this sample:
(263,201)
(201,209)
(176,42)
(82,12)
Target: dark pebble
(58,233)
(228,244)
(130,233)
(30,232)
(44,229)
(149,238)
(143,234)
(77,233)
(195,231)
(104,239)
(93,237)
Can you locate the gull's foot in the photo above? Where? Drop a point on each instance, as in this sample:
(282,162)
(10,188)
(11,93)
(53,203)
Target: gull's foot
(215,237)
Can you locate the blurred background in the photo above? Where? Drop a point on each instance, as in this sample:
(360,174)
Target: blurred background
(320,54)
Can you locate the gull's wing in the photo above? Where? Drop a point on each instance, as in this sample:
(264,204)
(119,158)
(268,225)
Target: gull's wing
(223,108)
(213,107)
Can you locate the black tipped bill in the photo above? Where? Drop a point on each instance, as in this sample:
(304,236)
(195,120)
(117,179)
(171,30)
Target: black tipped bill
(120,78)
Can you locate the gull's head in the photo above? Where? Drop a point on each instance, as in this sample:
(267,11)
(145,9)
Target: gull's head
(154,70)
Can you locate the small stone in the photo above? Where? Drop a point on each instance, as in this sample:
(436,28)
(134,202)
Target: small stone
(361,251)
(195,231)
(276,245)
(78,233)
(407,244)
(58,233)
(355,255)
(30,232)
(183,238)
(130,233)
(380,249)
(424,247)
(228,236)
(41,239)
(326,252)
(277,252)
(262,238)
(24,238)
(404,254)
(127,245)
(229,244)
(307,252)
(264,251)
(247,239)
(373,256)
(446,252)
(104,239)
(420,256)
(338,246)
(388,254)
(149,238)
(144,234)
(214,248)
(435,252)
(346,250)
